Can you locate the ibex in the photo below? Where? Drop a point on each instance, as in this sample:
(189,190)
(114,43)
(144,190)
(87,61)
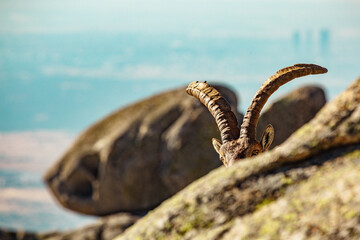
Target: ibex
(238,144)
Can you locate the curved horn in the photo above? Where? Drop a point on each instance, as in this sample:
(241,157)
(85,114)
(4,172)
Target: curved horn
(248,127)
(218,107)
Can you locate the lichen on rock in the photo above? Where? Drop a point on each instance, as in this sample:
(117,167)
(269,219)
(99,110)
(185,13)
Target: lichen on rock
(303,179)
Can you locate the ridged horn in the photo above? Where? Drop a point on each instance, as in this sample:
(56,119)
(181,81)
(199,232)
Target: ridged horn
(218,107)
(248,127)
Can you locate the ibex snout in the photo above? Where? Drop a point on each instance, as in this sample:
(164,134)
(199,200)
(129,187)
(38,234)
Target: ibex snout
(232,151)
(241,143)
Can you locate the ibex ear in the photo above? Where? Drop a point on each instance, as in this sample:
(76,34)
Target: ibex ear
(267,137)
(217,144)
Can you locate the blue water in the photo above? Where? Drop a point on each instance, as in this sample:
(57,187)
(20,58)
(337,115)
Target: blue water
(19,179)
(66,64)
(69,81)
(28,213)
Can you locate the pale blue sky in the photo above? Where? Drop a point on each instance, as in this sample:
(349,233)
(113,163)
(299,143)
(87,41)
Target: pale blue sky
(193,17)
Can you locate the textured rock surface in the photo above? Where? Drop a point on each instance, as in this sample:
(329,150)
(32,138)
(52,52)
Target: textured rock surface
(326,206)
(138,156)
(105,228)
(306,188)
(291,112)
(6,234)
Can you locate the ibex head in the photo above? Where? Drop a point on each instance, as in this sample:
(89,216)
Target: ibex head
(238,144)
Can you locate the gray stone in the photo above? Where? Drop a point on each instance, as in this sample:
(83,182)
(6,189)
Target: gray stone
(106,228)
(8,234)
(290,112)
(307,188)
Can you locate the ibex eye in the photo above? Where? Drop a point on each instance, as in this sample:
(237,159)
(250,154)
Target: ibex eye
(255,152)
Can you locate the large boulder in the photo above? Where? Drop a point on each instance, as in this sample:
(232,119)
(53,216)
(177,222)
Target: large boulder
(290,112)
(138,156)
(307,188)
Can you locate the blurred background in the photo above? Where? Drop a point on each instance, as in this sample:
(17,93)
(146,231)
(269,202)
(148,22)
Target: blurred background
(66,64)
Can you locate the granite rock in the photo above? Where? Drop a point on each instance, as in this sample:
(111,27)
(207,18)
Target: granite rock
(306,188)
(290,112)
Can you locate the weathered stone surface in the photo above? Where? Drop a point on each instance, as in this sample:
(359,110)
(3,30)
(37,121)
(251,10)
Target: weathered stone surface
(138,156)
(326,206)
(291,112)
(106,228)
(8,234)
(307,188)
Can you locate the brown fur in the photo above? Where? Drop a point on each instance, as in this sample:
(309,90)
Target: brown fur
(233,148)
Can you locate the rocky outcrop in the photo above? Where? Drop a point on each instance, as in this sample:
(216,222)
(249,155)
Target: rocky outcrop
(105,228)
(291,112)
(138,156)
(307,188)
(6,234)
(326,206)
